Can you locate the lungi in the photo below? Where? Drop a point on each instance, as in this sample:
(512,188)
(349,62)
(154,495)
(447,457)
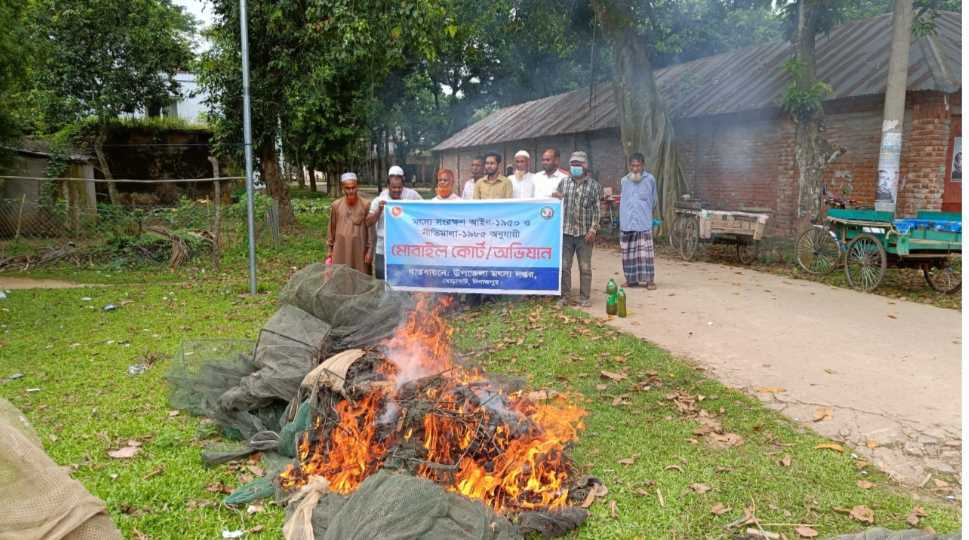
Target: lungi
(637,252)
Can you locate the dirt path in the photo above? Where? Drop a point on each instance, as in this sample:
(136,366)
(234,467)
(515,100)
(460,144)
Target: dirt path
(889,369)
(7,282)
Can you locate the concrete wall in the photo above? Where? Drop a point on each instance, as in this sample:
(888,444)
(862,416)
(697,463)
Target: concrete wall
(732,161)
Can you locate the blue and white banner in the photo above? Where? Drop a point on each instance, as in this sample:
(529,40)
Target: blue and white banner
(493,247)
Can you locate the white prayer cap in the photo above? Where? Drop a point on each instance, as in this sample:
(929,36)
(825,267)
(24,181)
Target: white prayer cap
(522,153)
(347,176)
(395,171)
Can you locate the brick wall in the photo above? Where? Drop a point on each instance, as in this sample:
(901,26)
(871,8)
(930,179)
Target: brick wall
(747,159)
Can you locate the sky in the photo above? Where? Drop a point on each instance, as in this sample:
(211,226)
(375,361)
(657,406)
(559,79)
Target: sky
(202,11)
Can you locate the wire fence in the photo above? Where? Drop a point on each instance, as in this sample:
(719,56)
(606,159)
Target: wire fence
(33,233)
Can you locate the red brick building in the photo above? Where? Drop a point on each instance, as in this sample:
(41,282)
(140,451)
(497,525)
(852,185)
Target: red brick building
(737,145)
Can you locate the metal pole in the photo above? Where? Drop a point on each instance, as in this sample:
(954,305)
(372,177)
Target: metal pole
(247,145)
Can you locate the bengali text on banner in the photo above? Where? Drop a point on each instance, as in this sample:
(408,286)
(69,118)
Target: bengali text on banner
(491,247)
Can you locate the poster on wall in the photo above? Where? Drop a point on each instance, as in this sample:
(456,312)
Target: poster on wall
(957,160)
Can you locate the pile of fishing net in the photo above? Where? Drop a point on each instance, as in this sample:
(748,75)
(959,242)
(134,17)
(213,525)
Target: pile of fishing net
(271,395)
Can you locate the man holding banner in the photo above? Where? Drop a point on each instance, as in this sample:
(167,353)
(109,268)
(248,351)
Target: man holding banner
(580,194)
(395,191)
(478,247)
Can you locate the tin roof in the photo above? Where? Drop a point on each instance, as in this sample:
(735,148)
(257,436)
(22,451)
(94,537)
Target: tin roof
(852,58)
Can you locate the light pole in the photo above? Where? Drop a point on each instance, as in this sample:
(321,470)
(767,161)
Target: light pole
(247,146)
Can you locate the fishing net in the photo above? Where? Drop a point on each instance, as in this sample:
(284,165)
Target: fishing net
(396,507)
(39,500)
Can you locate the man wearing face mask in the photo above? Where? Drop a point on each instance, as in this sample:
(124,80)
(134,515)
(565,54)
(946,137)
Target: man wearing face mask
(580,194)
(477,171)
(636,204)
(494,185)
(548,179)
(522,185)
(348,236)
(445,186)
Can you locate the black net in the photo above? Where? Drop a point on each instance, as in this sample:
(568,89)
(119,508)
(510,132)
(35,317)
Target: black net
(397,507)
(248,389)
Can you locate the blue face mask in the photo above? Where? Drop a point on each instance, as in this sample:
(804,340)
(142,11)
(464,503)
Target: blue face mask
(576,170)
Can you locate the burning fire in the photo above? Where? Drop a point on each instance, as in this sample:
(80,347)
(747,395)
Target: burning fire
(445,423)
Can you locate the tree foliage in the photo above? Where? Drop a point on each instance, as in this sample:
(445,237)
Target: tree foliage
(106,57)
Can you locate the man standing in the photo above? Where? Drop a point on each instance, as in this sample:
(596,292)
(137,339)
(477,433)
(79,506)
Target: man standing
(636,203)
(548,180)
(395,191)
(580,194)
(348,237)
(477,171)
(494,185)
(522,185)
(408,194)
(445,186)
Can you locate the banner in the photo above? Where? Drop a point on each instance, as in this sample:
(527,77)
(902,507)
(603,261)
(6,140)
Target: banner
(492,247)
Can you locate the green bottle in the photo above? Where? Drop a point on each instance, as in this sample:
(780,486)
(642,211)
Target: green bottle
(611,290)
(621,303)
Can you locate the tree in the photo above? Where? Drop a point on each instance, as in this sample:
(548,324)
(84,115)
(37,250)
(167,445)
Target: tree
(102,58)
(12,67)
(644,125)
(804,100)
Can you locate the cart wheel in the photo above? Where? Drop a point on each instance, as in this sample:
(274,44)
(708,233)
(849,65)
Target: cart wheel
(865,262)
(818,252)
(676,232)
(944,275)
(689,238)
(747,251)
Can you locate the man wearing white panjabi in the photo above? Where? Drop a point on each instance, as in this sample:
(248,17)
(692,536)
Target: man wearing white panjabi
(522,184)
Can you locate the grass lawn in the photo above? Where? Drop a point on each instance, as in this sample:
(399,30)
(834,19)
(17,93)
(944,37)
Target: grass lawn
(76,390)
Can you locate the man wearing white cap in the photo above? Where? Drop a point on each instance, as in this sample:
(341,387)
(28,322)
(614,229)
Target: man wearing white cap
(395,191)
(522,185)
(580,194)
(348,236)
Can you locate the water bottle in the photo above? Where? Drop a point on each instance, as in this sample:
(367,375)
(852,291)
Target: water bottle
(621,302)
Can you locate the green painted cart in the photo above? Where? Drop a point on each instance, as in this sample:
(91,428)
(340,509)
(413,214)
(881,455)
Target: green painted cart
(866,242)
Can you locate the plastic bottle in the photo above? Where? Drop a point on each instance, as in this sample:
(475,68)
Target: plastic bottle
(621,302)
(611,290)
(611,287)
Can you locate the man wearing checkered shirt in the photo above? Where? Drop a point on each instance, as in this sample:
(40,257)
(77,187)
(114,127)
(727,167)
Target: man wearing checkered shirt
(580,194)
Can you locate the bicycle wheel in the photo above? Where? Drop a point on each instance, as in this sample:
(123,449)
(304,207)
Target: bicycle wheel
(865,262)
(818,252)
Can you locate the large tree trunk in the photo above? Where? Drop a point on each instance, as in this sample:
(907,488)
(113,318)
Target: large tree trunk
(99,141)
(644,125)
(277,186)
(812,152)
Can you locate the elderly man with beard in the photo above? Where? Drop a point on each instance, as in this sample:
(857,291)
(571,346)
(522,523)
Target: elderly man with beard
(636,207)
(348,237)
(445,186)
(522,185)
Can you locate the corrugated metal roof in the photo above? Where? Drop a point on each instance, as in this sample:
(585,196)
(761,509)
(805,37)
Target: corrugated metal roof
(853,59)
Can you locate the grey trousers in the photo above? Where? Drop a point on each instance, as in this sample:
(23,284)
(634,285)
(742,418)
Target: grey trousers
(582,250)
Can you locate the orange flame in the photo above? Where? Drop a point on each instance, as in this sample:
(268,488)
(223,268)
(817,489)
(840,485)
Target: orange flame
(478,441)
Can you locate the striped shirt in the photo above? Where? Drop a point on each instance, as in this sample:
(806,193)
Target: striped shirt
(580,205)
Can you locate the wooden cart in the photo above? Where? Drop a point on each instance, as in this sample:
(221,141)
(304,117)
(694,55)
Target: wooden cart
(866,242)
(695,225)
